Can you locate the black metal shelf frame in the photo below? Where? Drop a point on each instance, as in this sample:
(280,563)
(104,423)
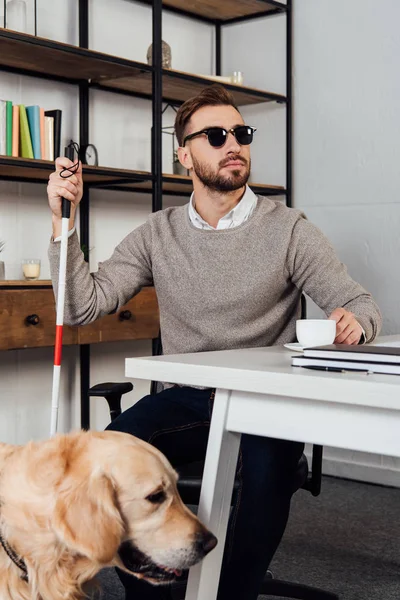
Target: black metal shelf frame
(157,98)
(84,349)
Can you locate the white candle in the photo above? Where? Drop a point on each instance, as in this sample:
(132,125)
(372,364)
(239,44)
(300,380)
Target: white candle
(31,270)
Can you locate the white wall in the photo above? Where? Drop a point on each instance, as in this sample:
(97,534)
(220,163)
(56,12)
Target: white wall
(346,98)
(346,174)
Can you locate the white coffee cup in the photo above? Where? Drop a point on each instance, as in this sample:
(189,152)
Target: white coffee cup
(315,332)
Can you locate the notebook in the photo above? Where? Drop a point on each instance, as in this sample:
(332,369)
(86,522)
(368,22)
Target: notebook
(369,352)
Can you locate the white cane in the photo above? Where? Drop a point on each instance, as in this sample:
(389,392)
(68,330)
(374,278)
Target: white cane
(65,211)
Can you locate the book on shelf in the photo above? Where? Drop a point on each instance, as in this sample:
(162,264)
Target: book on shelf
(29,131)
(369,352)
(9,117)
(346,365)
(56,114)
(49,138)
(15,130)
(6,127)
(25,135)
(33,114)
(42,145)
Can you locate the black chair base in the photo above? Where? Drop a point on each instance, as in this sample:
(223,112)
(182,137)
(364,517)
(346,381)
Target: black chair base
(297,591)
(273,587)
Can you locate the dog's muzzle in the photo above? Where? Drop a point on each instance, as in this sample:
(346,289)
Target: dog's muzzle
(139,563)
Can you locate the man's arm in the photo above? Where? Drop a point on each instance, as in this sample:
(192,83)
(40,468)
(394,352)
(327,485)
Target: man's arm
(316,270)
(89,296)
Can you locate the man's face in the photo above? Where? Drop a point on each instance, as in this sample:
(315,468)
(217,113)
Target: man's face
(223,169)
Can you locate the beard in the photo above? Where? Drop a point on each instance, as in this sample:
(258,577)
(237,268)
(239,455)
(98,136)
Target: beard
(222,183)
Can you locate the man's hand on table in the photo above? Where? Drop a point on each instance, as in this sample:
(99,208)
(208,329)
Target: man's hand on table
(348,329)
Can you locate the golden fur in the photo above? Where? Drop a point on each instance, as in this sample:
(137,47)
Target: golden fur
(76,503)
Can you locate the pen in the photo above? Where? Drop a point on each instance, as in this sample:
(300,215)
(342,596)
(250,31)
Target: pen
(338,370)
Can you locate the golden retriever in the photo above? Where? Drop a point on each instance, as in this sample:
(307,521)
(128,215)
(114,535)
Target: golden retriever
(76,503)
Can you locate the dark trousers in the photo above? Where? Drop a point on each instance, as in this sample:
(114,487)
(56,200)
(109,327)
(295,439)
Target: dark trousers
(177,421)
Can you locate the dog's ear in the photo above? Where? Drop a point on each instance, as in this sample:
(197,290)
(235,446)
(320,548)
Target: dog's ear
(87,519)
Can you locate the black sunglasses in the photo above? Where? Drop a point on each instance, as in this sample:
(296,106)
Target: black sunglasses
(217,136)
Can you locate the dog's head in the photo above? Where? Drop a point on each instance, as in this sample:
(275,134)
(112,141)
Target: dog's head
(82,501)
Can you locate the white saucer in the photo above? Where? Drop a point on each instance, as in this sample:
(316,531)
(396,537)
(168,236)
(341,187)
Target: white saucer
(295,346)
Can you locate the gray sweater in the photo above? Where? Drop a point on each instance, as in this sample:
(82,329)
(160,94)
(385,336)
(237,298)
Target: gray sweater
(224,289)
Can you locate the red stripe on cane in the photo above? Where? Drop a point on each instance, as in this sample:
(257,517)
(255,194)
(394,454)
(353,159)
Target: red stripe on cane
(58,346)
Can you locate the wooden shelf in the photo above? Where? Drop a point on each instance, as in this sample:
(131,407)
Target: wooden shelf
(22,283)
(32,170)
(39,56)
(38,171)
(178,86)
(32,55)
(223,10)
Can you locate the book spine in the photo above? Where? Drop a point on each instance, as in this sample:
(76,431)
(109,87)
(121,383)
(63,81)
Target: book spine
(49,138)
(25,136)
(9,126)
(42,148)
(15,131)
(57,115)
(33,114)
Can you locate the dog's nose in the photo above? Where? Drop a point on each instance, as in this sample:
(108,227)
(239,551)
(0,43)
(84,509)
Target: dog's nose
(206,542)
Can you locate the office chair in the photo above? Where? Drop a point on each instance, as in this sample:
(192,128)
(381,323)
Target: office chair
(189,486)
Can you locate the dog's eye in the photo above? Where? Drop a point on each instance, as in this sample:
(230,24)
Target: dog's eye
(157,498)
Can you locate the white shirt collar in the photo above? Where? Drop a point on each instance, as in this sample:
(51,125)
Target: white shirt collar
(235,217)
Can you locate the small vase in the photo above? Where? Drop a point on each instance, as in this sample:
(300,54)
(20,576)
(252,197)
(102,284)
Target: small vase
(2,271)
(16,15)
(165,55)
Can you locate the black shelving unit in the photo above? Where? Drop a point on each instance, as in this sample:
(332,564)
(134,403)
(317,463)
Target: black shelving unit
(29,55)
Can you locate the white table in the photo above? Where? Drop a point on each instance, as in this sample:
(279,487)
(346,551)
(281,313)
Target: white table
(258,392)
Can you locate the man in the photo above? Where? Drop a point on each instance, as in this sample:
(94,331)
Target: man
(229,269)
